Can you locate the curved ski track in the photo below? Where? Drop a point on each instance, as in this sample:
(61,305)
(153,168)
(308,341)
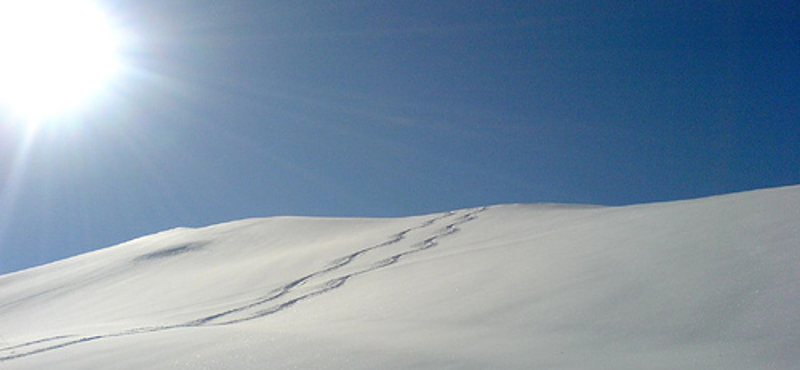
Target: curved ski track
(338,272)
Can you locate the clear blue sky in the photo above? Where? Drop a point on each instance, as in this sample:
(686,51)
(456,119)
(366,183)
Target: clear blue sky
(239,109)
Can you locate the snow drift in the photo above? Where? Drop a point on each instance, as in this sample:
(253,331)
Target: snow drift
(701,284)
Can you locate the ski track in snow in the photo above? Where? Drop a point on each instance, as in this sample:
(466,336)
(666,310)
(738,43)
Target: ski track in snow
(311,285)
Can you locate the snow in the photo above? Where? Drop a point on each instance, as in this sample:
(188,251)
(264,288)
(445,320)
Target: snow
(708,283)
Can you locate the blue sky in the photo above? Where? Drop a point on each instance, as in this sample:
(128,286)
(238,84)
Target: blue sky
(243,109)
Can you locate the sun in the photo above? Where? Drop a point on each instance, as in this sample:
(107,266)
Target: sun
(55,56)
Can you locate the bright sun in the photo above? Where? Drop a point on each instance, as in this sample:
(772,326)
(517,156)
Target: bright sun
(55,55)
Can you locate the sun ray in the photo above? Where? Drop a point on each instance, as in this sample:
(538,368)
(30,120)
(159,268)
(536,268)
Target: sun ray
(14,179)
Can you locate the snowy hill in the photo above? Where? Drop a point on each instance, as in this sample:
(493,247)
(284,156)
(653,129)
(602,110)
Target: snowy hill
(701,284)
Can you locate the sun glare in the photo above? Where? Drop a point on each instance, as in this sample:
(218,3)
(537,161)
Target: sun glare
(55,55)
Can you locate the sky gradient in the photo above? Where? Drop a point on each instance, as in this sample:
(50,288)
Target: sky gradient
(240,109)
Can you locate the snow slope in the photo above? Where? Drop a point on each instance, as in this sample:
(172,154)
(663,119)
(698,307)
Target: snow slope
(701,284)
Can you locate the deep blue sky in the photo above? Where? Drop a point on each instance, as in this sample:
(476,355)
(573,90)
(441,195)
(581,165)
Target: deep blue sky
(235,109)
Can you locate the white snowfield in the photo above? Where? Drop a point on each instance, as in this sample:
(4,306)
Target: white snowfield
(710,283)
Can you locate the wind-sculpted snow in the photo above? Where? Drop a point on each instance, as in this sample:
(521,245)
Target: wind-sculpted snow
(170,252)
(328,278)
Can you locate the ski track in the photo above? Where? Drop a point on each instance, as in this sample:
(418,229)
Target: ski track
(319,282)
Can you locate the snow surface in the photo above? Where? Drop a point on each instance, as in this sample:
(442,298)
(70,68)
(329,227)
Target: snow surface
(701,284)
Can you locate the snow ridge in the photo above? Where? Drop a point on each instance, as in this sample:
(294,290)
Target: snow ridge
(335,275)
